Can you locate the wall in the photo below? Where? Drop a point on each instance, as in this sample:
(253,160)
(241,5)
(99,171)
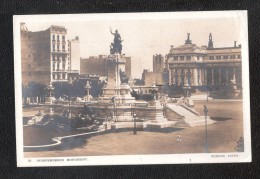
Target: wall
(35,54)
(93,65)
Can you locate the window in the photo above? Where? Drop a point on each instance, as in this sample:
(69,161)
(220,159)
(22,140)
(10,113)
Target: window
(218,57)
(225,57)
(175,58)
(63,38)
(63,76)
(182,57)
(58,38)
(53,37)
(188,57)
(53,47)
(211,57)
(232,57)
(239,56)
(63,47)
(58,47)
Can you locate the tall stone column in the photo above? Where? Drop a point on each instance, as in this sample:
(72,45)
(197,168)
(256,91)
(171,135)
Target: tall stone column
(195,76)
(179,76)
(212,76)
(199,76)
(227,75)
(219,76)
(185,76)
(205,76)
(173,77)
(170,76)
(234,74)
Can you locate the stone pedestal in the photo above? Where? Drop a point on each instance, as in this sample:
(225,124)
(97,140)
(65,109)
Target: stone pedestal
(159,116)
(115,88)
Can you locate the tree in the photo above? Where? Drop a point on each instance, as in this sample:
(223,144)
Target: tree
(34,90)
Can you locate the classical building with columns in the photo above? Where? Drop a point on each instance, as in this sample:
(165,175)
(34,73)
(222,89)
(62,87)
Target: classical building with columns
(204,66)
(47,56)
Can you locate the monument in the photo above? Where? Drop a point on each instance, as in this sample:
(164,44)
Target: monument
(117,86)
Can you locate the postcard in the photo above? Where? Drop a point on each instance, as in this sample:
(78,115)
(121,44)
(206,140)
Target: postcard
(132,88)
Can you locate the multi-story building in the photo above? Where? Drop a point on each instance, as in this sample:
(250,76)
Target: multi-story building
(45,55)
(159,75)
(98,66)
(204,66)
(158,63)
(74,54)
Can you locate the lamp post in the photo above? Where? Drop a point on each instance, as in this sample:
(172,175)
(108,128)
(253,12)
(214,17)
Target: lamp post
(68,96)
(134,123)
(206,129)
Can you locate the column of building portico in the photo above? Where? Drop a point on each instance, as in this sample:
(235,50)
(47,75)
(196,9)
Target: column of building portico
(170,76)
(227,75)
(185,76)
(234,73)
(212,76)
(176,77)
(173,77)
(179,76)
(199,77)
(205,76)
(219,76)
(195,76)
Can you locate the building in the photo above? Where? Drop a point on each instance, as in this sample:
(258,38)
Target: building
(45,55)
(158,63)
(94,65)
(74,54)
(98,66)
(204,66)
(159,75)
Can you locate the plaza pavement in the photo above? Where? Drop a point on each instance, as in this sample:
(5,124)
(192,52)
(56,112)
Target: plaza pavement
(222,137)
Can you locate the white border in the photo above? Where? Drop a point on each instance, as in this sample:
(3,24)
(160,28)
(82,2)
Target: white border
(133,159)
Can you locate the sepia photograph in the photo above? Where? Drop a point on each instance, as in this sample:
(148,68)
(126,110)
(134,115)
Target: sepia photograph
(132,88)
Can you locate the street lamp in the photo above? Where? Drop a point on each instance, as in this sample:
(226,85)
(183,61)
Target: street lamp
(134,123)
(206,129)
(69,99)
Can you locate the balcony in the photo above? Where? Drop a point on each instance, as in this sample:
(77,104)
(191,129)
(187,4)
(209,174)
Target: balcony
(59,51)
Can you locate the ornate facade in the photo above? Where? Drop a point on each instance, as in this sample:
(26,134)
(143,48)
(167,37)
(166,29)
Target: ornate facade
(205,65)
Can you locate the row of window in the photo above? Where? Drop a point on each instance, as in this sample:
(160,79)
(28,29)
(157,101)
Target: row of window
(58,47)
(58,58)
(58,66)
(58,37)
(182,58)
(225,57)
(59,77)
(176,58)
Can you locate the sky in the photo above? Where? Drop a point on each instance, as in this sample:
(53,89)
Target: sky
(144,38)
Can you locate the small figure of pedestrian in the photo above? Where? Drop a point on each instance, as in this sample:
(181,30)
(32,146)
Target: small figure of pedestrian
(178,138)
